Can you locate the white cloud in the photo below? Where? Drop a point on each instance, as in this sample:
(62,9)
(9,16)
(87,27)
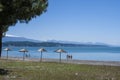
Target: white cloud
(9,35)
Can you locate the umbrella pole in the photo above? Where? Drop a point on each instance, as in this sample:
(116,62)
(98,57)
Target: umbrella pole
(7,54)
(23,56)
(41,57)
(60,56)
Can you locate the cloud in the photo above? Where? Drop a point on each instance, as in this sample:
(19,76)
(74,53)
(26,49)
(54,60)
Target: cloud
(9,35)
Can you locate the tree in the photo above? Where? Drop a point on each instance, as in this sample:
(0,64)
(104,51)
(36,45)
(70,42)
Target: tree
(13,11)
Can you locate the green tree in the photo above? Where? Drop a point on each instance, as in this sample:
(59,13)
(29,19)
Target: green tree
(13,11)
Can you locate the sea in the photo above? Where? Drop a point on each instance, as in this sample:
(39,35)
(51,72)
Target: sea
(78,53)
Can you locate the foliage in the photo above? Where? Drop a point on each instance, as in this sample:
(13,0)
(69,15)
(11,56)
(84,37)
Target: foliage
(13,11)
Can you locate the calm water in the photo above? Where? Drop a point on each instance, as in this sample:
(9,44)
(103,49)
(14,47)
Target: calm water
(80,53)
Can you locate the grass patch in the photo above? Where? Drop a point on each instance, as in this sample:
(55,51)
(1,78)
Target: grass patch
(20,70)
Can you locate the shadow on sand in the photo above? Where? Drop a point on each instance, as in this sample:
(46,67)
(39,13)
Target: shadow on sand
(3,72)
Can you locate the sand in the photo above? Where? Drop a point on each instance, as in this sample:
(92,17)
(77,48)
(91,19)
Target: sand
(88,62)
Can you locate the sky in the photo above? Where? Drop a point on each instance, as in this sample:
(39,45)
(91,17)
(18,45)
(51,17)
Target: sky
(75,20)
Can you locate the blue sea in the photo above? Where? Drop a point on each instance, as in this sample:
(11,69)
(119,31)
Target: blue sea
(78,53)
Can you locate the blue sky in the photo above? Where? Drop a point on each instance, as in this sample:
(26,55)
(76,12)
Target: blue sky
(75,20)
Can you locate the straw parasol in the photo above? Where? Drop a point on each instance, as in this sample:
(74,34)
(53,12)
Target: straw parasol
(60,51)
(7,49)
(41,50)
(24,51)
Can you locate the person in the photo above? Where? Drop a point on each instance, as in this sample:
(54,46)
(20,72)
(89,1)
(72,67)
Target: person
(69,57)
(27,55)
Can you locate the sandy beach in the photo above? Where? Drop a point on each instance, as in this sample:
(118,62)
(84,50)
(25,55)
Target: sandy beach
(89,62)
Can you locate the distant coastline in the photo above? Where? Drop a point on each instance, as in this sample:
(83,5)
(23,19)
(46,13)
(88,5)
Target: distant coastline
(23,42)
(47,44)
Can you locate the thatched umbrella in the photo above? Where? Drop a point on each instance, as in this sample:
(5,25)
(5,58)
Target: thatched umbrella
(60,51)
(7,49)
(41,50)
(24,51)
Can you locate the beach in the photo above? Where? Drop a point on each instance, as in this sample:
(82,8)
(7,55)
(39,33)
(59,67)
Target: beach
(88,62)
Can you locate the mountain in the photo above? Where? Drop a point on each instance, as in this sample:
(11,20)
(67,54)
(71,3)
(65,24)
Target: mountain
(46,44)
(66,42)
(14,38)
(21,41)
(74,42)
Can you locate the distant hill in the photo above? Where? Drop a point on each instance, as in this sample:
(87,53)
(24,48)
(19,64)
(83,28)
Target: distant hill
(21,41)
(46,44)
(12,38)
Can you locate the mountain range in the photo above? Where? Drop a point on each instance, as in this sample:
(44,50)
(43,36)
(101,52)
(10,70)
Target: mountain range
(21,41)
(14,38)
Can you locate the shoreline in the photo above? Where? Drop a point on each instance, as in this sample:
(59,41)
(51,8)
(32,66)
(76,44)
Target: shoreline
(87,62)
